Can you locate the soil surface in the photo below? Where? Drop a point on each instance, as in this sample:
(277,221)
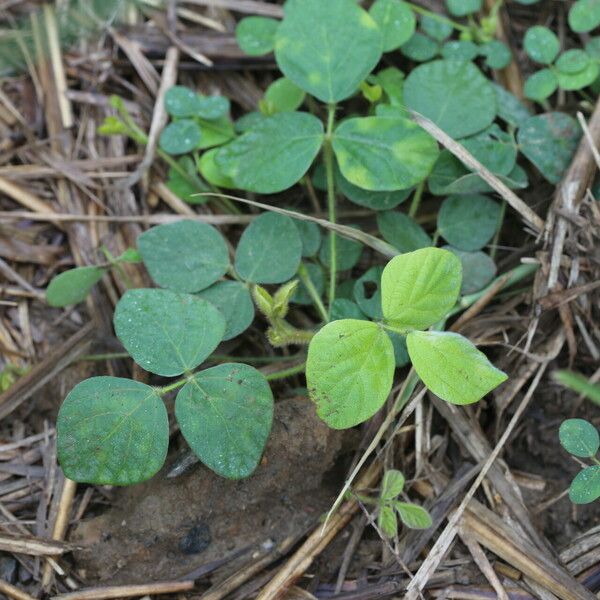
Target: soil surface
(168,527)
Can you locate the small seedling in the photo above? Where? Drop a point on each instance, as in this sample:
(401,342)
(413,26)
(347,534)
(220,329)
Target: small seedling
(390,508)
(580,438)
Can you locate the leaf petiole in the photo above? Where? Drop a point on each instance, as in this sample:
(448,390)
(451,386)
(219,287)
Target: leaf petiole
(328,156)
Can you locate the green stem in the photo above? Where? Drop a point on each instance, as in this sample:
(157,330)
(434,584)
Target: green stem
(173,386)
(328,155)
(289,372)
(416,200)
(312,292)
(115,263)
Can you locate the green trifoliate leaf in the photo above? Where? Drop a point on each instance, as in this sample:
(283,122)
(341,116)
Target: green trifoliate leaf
(401,231)
(413,516)
(460,50)
(367,292)
(510,108)
(452,367)
(387,521)
(392,484)
(186,256)
(478,269)
(256,35)
(235,303)
(585,488)
(384,154)
(372,200)
(580,80)
(541,44)
(166,332)
(579,437)
(180,137)
(584,15)
(468,222)
(215,132)
(225,415)
(273,155)
(420,48)
(72,286)
(349,371)
(209,169)
(549,142)
(396,20)
(497,54)
(453,94)
(436,28)
(347,252)
(462,8)
(327,48)
(419,288)
(342,308)
(112,431)
(269,250)
(283,95)
(541,85)
(578,383)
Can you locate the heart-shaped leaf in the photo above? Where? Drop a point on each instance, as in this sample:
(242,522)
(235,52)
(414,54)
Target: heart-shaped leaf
(349,371)
(384,153)
(186,256)
(274,154)
(225,415)
(112,431)
(166,332)
(452,367)
(269,250)
(72,286)
(419,288)
(327,48)
(579,437)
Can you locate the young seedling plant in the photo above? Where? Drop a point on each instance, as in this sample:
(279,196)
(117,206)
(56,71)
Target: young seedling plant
(113,430)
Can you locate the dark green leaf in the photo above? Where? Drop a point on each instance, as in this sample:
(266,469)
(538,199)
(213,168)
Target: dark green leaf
(166,332)
(462,8)
(180,101)
(478,269)
(436,28)
(317,277)
(453,94)
(269,250)
(342,308)
(372,200)
(510,108)
(225,415)
(541,44)
(460,50)
(401,231)
(579,437)
(367,293)
(396,21)
(420,48)
(585,488)
(549,142)
(180,137)
(468,222)
(310,234)
(112,431)
(541,85)
(186,256)
(584,15)
(235,303)
(348,252)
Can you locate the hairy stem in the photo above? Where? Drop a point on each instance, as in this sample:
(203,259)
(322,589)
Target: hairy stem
(312,292)
(295,370)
